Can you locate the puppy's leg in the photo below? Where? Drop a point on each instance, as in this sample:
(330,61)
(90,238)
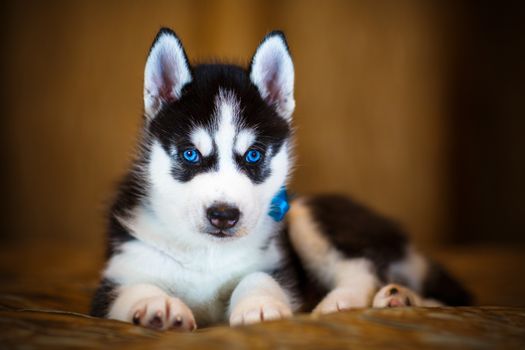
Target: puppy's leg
(258,297)
(394,295)
(351,281)
(341,243)
(151,307)
(353,285)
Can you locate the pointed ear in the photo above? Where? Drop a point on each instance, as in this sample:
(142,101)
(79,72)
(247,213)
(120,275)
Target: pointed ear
(167,71)
(272,72)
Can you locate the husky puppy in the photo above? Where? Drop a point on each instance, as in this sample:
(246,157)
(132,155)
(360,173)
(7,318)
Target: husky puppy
(197,233)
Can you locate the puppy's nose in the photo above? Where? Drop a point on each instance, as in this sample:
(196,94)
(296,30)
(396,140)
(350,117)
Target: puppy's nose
(223,216)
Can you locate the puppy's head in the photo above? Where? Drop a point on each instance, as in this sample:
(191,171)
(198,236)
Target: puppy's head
(217,137)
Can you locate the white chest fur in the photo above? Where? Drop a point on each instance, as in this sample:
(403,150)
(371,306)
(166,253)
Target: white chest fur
(204,279)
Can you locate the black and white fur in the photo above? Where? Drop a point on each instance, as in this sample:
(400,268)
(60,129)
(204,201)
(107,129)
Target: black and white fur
(169,265)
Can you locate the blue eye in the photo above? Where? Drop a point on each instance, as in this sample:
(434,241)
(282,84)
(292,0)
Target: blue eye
(252,156)
(191,155)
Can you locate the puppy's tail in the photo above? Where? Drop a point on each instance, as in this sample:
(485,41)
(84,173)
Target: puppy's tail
(440,285)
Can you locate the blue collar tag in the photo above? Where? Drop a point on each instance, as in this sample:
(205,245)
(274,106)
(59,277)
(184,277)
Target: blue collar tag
(279,205)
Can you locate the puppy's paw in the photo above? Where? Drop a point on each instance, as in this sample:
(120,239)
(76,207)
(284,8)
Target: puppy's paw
(394,295)
(162,313)
(257,309)
(341,299)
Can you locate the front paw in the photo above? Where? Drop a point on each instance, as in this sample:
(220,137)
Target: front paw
(162,313)
(258,309)
(342,299)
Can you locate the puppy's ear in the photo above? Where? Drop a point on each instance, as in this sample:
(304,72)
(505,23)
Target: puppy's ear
(271,70)
(167,71)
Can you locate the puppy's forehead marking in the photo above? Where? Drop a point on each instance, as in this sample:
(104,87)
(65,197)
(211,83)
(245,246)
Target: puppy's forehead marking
(245,138)
(201,139)
(227,115)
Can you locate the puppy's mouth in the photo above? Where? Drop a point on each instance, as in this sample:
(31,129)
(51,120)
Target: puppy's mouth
(223,234)
(227,234)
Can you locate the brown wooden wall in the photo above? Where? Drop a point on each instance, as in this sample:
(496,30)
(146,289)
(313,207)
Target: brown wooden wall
(373,116)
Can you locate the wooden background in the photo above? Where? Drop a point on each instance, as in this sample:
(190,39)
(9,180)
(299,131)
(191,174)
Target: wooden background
(413,107)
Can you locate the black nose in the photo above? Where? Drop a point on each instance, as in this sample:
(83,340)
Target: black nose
(223,216)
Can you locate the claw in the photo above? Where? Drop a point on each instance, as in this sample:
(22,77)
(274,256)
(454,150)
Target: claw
(136,318)
(178,321)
